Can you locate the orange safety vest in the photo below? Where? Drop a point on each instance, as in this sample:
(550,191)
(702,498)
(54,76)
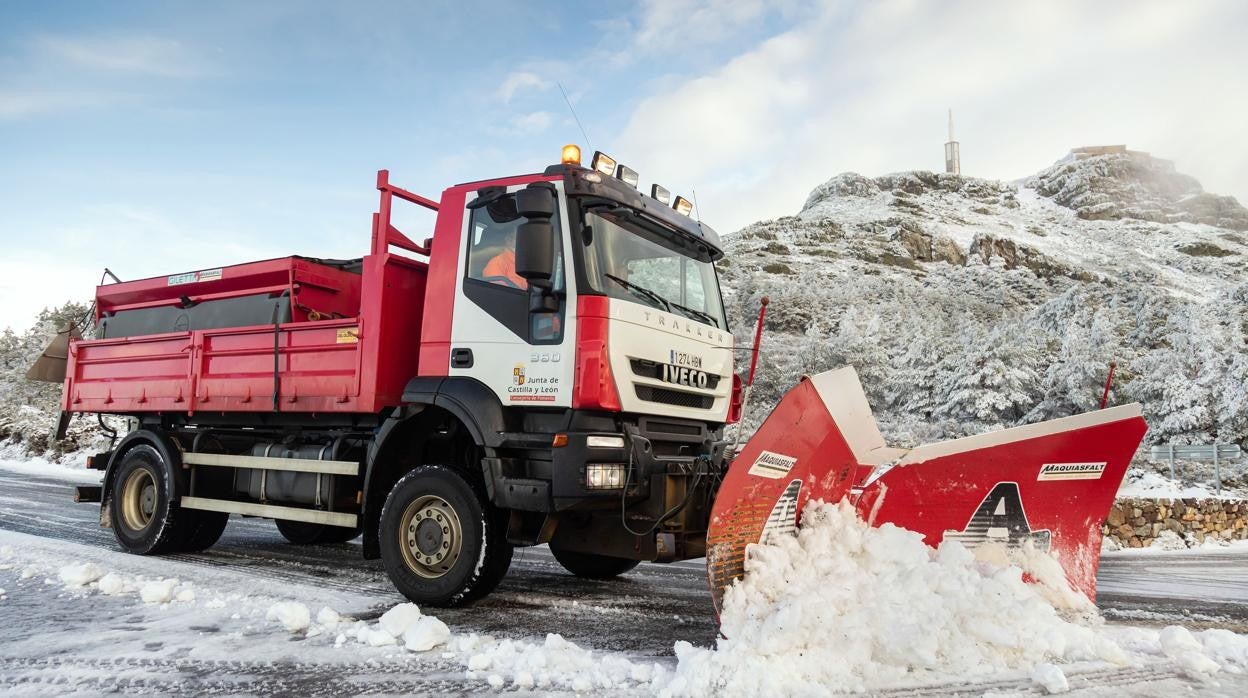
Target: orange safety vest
(504,264)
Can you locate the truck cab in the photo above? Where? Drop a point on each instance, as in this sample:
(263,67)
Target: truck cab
(588,323)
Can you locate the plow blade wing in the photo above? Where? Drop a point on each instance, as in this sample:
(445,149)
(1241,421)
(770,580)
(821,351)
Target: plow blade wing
(50,366)
(1050,483)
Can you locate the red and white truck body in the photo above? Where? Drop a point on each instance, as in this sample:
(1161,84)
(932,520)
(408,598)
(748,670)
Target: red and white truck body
(580,402)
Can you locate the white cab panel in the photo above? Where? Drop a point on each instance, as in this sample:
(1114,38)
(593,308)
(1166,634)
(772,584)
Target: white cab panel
(671,360)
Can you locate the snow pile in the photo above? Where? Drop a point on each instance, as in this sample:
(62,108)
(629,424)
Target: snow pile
(848,606)
(1179,644)
(405,622)
(112,584)
(555,664)
(293,616)
(1168,540)
(1050,678)
(158,591)
(1150,485)
(843,606)
(402,625)
(80,574)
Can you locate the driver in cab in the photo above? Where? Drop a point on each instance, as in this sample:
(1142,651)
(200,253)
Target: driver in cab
(502,267)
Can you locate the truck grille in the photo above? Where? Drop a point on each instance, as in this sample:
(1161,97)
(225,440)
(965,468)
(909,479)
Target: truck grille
(674,397)
(653,369)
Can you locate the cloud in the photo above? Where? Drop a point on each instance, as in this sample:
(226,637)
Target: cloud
(518,81)
(533,122)
(865,88)
(21,103)
(141,55)
(665,25)
(56,74)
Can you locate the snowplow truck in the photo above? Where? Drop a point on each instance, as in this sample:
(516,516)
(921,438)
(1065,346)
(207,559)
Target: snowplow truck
(552,365)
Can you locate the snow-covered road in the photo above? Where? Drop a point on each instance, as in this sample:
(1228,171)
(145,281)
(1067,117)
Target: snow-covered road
(57,639)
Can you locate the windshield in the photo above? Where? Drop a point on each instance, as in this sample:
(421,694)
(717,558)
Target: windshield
(635,264)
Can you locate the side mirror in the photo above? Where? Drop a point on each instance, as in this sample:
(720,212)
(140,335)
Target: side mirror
(535,238)
(536,201)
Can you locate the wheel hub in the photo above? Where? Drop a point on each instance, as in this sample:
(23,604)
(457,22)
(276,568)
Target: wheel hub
(138,499)
(431,537)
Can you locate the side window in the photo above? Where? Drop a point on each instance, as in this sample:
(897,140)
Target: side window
(492,245)
(491,281)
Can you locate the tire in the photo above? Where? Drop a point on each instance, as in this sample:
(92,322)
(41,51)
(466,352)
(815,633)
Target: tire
(144,517)
(205,531)
(592,566)
(442,543)
(303,533)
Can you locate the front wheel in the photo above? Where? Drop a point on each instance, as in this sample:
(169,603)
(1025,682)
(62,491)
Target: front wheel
(442,543)
(592,566)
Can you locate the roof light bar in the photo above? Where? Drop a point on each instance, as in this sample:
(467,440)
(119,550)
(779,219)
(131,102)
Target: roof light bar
(682,206)
(628,175)
(603,163)
(571,155)
(660,194)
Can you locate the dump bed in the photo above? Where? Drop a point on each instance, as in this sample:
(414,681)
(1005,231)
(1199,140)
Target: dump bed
(284,335)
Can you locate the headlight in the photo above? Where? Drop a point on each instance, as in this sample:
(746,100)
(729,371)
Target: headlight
(604,441)
(604,476)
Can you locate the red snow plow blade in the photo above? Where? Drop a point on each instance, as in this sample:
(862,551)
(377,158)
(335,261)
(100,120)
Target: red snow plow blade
(1050,483)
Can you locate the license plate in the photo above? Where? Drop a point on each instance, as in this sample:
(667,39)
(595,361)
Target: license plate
(683,375)
(684,358)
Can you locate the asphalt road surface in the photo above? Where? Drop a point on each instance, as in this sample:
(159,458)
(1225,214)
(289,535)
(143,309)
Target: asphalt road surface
(50,646)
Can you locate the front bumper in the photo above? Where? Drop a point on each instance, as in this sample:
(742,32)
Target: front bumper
(654,447)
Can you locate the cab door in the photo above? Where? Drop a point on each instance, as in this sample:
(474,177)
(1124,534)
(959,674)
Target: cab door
(525,357)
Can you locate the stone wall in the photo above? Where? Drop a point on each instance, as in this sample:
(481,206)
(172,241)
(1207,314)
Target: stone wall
(1135,522)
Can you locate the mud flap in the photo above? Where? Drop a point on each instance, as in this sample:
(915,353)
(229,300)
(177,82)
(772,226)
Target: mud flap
(1049,484)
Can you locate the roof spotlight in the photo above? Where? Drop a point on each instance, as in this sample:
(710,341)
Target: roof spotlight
(682,206)
(603,163)
(660,194)
(628,175)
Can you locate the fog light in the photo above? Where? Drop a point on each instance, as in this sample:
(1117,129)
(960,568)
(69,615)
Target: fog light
(604,476)
(604,441)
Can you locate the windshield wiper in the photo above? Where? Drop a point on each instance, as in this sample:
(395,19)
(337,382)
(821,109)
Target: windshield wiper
(697,314)
(642,291)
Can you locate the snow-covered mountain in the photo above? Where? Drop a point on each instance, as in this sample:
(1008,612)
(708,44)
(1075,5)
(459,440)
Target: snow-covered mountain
(969,303)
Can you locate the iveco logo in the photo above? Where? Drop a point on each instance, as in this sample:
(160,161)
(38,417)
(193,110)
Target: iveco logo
(681,375)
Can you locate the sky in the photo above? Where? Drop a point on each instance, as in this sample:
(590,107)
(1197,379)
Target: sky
(159,137)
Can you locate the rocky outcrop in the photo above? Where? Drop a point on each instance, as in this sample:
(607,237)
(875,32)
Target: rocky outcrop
(1015,255)
(1136,523)
(925,247)
(1134,185)
(903,186)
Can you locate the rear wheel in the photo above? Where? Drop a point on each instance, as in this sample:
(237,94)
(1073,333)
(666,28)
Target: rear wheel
(303,533)
(144,518)
(592,566)
(442,543)
(205,531)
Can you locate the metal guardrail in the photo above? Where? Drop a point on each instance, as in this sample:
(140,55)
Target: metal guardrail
(1214,452)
